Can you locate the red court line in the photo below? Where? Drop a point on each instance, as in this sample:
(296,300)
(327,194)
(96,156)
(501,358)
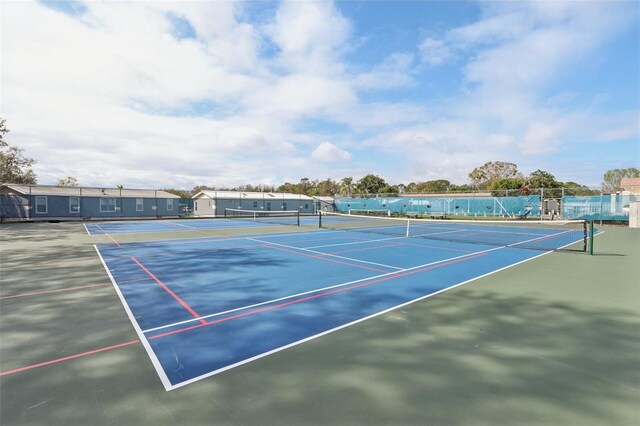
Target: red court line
(105,233)
(35,293)
(81,287)
(166,252)
(437,247)
(323,257)
(500,239)
(190,228)
(66,358)
(311,240)
(256,311)
(316,296)
(365,248)
(168,290)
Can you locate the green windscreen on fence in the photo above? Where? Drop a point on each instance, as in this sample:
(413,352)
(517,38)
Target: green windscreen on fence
(518,206)
(610,207)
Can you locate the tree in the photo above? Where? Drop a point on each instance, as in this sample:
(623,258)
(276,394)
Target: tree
(547,181)
(391,190)
(433,186)
(68,181)
(542,179)
(179,192)
(370,184)
(304,186)
(288,187)
(506,186)
(483,177)
(573,188)
(327,187)
(612,178)
(410,187)
(200,188)
(460,188)
(346,186)
(3,131)
(14,166)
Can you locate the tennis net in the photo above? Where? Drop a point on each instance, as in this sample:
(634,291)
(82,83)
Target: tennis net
(279,217)
(570,235)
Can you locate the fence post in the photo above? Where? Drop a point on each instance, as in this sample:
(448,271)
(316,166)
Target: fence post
(601,205)
(30,206)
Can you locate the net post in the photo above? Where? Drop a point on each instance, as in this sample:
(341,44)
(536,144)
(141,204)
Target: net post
(320,219)
(408,231)
(591,237)
(298,217)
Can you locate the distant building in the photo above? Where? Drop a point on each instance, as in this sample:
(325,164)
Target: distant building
(325,203)
(214,203)
(44,202)
(630,185)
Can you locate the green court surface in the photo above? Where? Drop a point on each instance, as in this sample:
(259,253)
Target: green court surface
(552,341)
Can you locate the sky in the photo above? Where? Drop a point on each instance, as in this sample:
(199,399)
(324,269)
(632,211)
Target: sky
(219,93)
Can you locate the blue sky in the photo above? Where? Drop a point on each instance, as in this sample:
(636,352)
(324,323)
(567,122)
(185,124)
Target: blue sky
(162,94)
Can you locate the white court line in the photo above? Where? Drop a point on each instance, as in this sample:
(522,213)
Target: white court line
(324,333)
(143,339)
(168,386)
(438,233)
(165,252)
(356,242)
(228,224)
(192,240)
(323,254)
(342,284)
(547,236)
(399,271)
(178,224)
(319,290)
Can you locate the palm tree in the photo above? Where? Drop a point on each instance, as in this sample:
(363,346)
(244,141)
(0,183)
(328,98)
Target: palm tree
(346,186)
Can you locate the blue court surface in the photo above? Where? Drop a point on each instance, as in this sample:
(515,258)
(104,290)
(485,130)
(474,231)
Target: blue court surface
(203,306)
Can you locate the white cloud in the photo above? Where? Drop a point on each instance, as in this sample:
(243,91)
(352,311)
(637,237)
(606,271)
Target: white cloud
(328,152)
(434,51)
(394,72)
(542,137)
(310,35)
(556,36)
(298,95)
(490,30)
(512,55)
(114,97)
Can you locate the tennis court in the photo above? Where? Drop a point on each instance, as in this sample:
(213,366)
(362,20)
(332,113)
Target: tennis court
(176,225)
(201,307)
(293,315)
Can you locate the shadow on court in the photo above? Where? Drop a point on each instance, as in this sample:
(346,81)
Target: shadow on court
(552,341)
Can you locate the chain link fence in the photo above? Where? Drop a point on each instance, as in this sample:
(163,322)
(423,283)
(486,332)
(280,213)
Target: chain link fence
(541,203)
